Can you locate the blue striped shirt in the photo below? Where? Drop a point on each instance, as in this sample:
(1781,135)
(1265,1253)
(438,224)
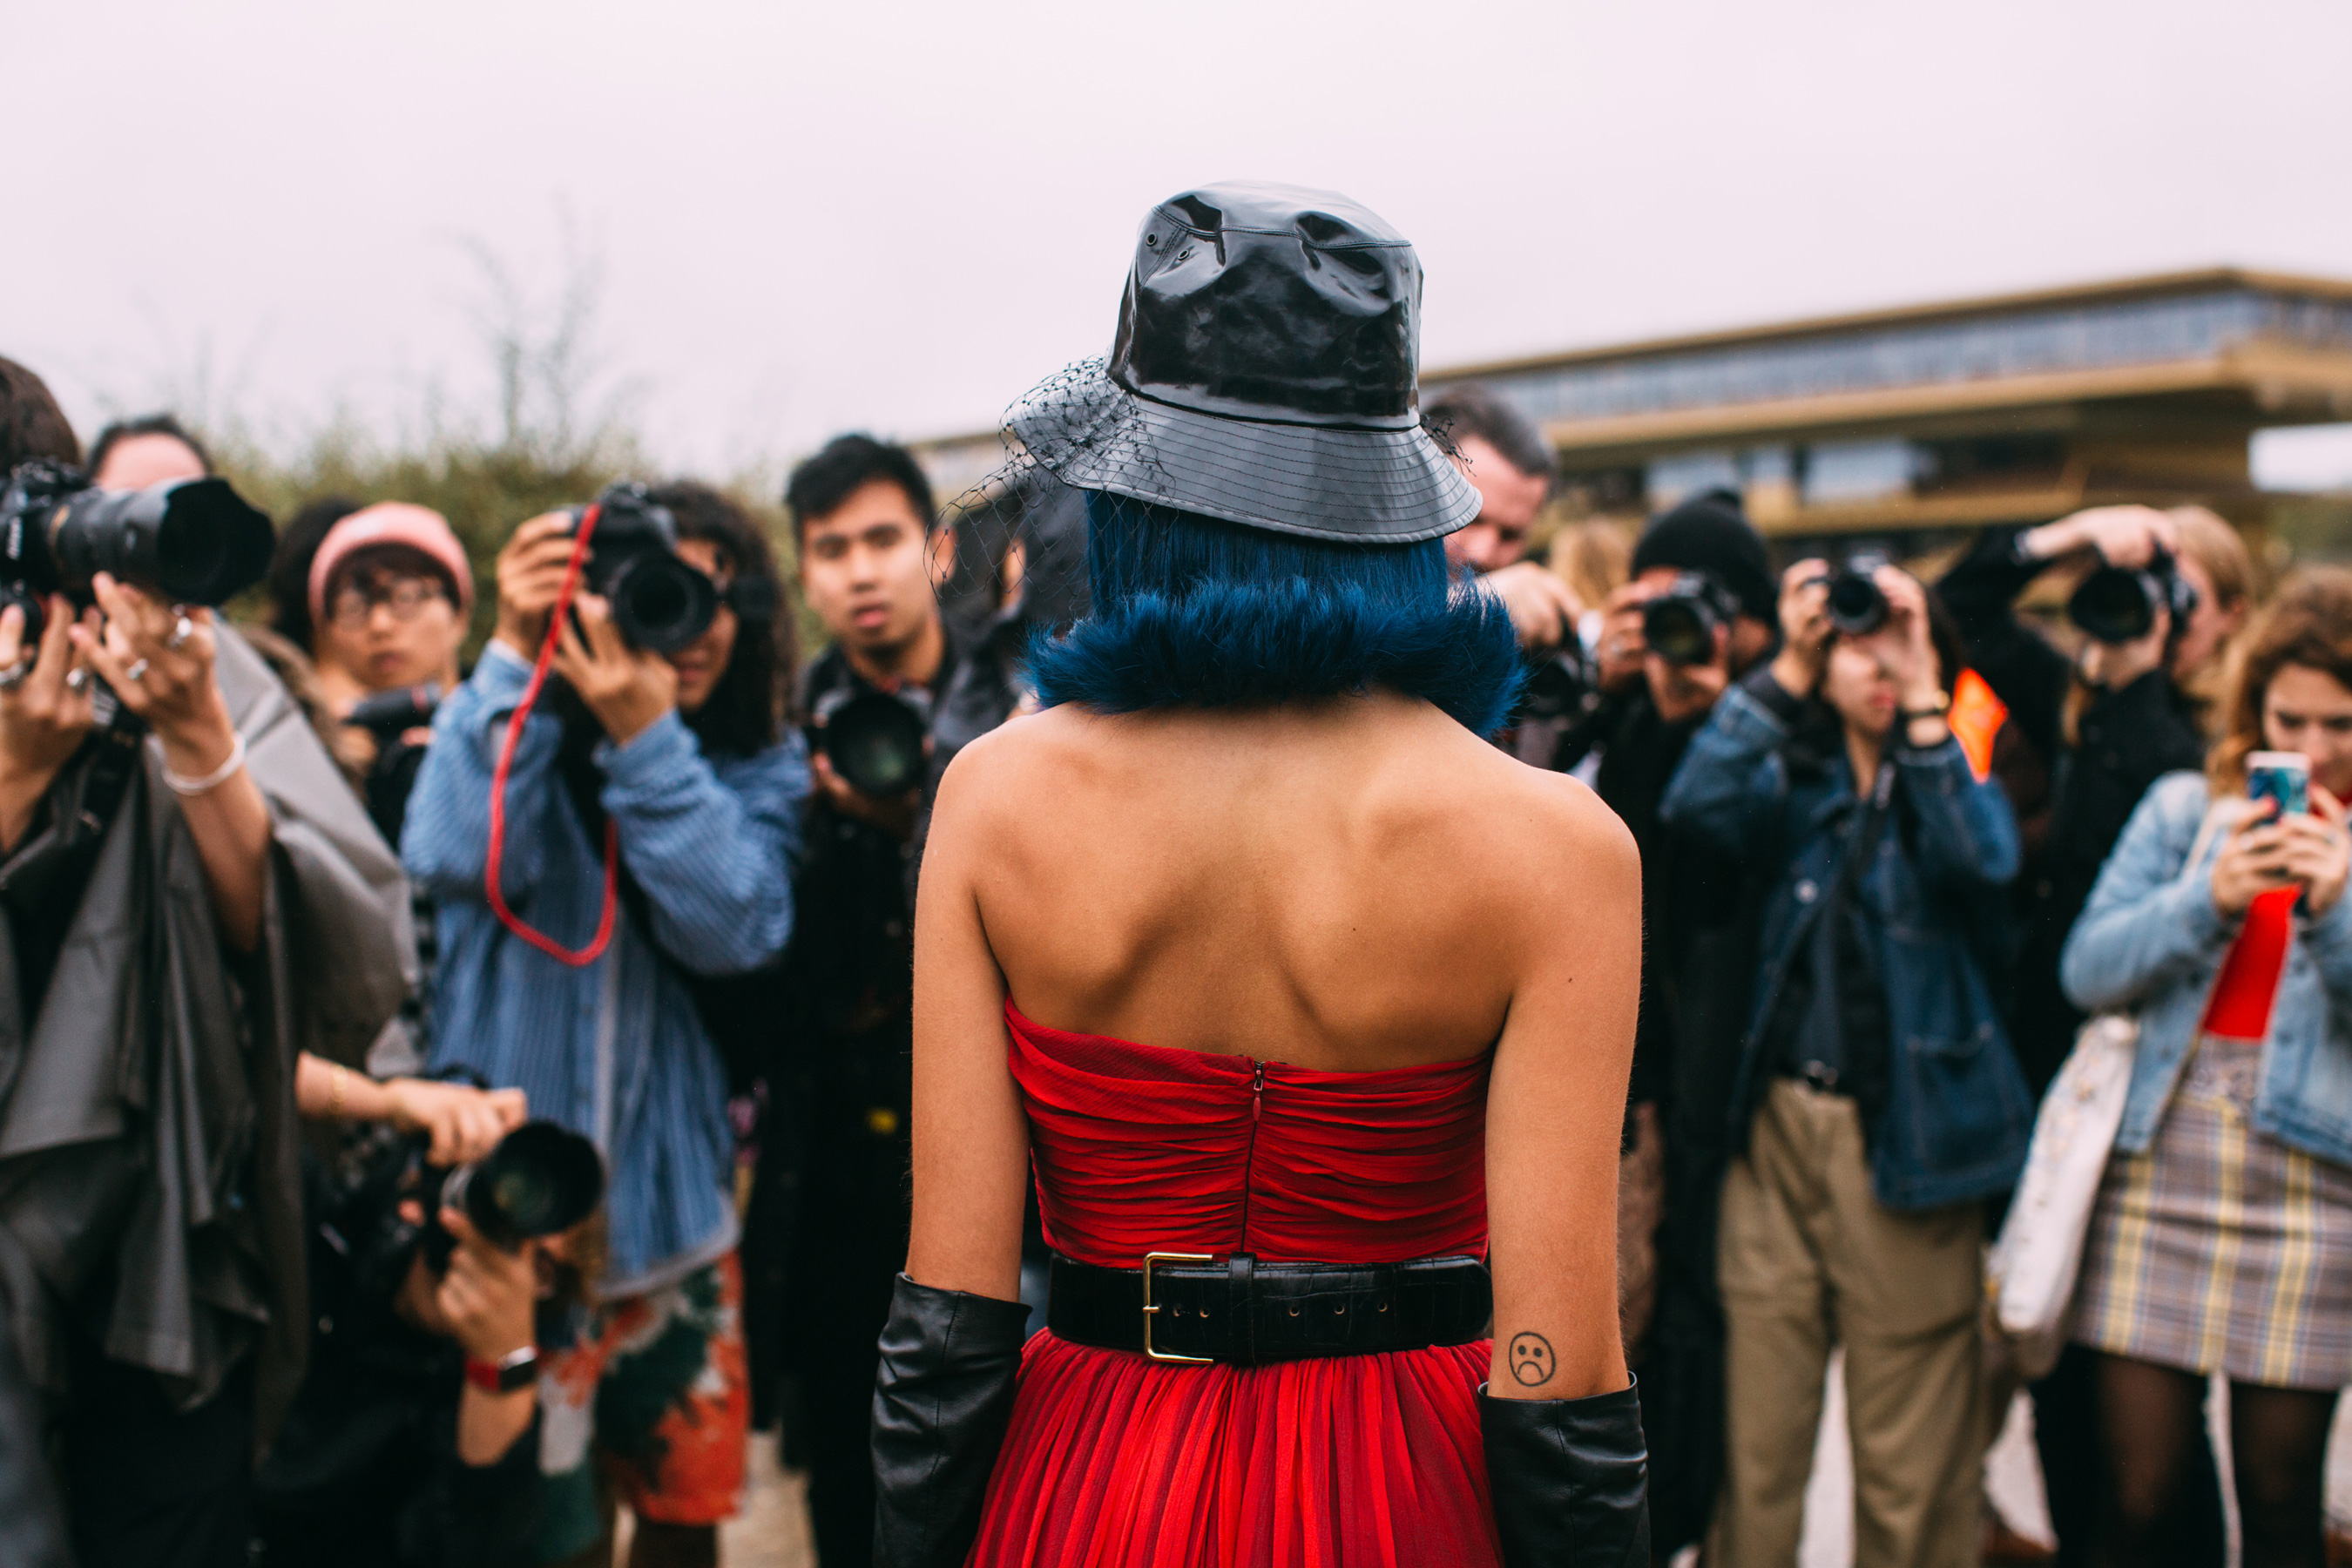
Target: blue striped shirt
(615,1051)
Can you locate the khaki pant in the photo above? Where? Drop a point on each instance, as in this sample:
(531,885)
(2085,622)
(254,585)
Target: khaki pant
(1810,1260)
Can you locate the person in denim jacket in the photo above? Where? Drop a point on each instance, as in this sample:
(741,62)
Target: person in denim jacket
(2223,1240)
(1876,1102)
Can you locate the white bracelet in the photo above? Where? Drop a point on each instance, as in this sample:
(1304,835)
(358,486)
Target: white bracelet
(213,780)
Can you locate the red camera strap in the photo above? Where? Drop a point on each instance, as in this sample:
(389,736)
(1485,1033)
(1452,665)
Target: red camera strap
(579,957)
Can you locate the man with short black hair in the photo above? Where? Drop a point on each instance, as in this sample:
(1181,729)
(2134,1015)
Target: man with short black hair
(862,515)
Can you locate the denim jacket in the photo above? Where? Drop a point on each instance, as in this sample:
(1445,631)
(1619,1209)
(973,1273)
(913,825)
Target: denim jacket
(2150,941)
(1957,1114)
(615,1051)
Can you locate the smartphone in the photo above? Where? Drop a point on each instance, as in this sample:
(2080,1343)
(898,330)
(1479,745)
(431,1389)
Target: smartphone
(2282,776)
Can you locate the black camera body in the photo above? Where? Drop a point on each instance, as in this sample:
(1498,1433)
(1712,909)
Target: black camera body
(541,1179)
(1679,625)
(1561,683)
(659,603)
(195,542)
(388,715)
(2118,604)
(876,741)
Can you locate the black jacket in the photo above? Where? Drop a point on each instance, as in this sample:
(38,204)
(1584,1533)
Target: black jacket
(1701,916)
(2072,798)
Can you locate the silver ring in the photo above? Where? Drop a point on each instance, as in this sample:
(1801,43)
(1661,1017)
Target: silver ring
(77,677)
(182,630)
(14,675)
(138,670)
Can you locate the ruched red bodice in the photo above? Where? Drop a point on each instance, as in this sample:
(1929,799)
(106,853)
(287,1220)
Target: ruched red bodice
(1373,1460)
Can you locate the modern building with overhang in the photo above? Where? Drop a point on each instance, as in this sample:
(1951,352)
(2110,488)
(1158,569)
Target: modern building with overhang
(1931,419)
(2014,409)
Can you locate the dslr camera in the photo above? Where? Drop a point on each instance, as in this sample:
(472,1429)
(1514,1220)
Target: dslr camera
(389,715)
(659,603)
(875,740)
(1679,625)
(195,542)
(1856,606)
(2118,604)
(541,1180)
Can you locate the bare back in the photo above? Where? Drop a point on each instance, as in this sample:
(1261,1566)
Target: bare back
(1336,886)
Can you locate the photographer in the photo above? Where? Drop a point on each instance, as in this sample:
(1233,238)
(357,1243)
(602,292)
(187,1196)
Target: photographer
(413,1441)
(191,901)
(1875,1103)
(2092,733)
(680,760)
(390,593)
(2222,1237)
(1513,469)
(863,512)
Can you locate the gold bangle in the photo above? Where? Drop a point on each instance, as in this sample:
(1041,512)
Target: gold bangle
(337,1073)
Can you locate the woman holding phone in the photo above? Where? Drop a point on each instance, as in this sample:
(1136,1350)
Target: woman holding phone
(2222,1240)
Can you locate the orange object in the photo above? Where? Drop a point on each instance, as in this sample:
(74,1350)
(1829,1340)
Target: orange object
(1976,718)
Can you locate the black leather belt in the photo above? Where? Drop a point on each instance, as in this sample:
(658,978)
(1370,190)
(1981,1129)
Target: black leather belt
(1190,1306)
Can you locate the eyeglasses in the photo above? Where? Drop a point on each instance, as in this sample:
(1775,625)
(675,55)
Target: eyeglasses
(406,597)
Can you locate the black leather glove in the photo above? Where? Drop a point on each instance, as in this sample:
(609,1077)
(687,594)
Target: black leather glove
(942,1400)
(1570,1479)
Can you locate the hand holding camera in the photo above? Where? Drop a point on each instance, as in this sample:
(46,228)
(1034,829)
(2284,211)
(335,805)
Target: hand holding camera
(1901,642)
(531,571)
(464,1123)
(485,1302)
(1805,626)
(626,687)
(158,659)
(1542,606)
(45,711)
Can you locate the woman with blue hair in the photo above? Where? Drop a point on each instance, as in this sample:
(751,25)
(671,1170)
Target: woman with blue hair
(1294,1046)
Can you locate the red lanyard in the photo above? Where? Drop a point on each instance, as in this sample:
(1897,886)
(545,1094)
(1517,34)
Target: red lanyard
(582,957)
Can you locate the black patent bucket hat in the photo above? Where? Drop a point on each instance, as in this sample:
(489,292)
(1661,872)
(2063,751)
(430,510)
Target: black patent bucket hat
(1267,372)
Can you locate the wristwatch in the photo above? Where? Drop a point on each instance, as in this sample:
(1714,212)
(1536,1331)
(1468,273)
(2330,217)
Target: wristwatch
(515,1370)
(1940,708)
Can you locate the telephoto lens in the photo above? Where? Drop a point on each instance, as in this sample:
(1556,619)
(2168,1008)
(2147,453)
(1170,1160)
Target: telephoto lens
(2118,604)
(659,603)
(1679,625)
(194,541)
(541,1179)
(874,739)
(1856,605)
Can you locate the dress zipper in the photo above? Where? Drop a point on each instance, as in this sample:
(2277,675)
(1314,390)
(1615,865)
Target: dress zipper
(1249,1159)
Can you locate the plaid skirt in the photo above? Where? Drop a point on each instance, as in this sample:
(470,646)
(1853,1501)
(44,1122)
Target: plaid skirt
(2220,1248)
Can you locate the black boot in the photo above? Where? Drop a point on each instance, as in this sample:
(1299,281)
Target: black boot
(1570,1479)
(942,1400)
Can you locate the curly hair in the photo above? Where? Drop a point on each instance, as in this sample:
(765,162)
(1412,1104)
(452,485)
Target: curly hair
(2308,624)
(745,711)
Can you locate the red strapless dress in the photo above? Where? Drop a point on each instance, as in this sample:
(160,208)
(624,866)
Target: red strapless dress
(1114,1460)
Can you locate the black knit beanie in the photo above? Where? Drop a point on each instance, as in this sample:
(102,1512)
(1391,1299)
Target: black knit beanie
(1709,534)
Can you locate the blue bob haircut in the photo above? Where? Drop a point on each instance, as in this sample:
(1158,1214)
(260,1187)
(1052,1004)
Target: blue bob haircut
(1192,611)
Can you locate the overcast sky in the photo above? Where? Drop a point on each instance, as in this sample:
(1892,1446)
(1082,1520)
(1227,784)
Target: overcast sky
(897,216)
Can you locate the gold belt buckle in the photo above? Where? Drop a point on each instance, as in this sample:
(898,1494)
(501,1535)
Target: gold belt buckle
(1149,1309)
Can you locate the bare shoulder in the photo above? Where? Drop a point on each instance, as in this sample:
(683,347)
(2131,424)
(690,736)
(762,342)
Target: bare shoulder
(992,776)
(1550,823)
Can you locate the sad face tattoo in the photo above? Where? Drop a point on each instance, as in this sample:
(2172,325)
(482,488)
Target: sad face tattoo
(1531,1359)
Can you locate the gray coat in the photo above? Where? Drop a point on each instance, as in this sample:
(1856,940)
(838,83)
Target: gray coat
(147,1120)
